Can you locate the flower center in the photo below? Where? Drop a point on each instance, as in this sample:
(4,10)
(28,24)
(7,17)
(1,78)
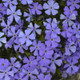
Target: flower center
(14,34)
(36,47)
(43,58)
(71,65)
(11,65)
(39,66)
(73,2)
(29,73)
(63,57)
(29,62)
(7,26)
(26,37)
(52,30)
(50,7)
(0,9)
(14,13)
(70,11)
(5,72)
(77,40)
(3,64)
(52,60)
(65,29)
(51,39)
(35,7)
(68,47)
(67,18)
(9,1)
(34,29)
(20,44)
(45,50)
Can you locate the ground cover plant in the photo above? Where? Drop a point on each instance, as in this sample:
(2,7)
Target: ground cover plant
(39,39)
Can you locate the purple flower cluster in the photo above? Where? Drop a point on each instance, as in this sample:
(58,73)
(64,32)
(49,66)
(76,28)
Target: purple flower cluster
(32,27)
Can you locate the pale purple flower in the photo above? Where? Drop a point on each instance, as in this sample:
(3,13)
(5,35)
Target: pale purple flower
(20,25)
(55,61)
(14,35)
(35,47)
(76,30)
(41,68)
(6,74)
(53,41)
(9,2)
(51,7)
(30,63)
(31,74)
(4,63)
(49,22)
(68,19)
(67,31)
(70,11)
(70,48)
(28,15)
(70,67)
(52,30)
(36,8)
(74,3)
(26,37)
(14,14)
(14,65)
(6,26)
(46,50)
(3,9)
(34,29)
(43,60)
(20,46)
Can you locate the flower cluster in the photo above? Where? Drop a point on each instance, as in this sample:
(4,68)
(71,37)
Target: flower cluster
(45,35)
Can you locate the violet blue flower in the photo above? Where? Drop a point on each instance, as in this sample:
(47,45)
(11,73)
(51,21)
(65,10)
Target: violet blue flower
(6,74)
(51,7)
(3,9)
(31,74)
(14,14)
(9,2)
(67,31)
(27,37)
(36,8)
(14,65)
(70,48)
(4,63)
(53,41)
(35,47)
(31,62)
(19,46)
(70,11)
(68,19)
(55,61)
(6,26)
(34,29)
(28,15)
(74,3)
(71,67)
